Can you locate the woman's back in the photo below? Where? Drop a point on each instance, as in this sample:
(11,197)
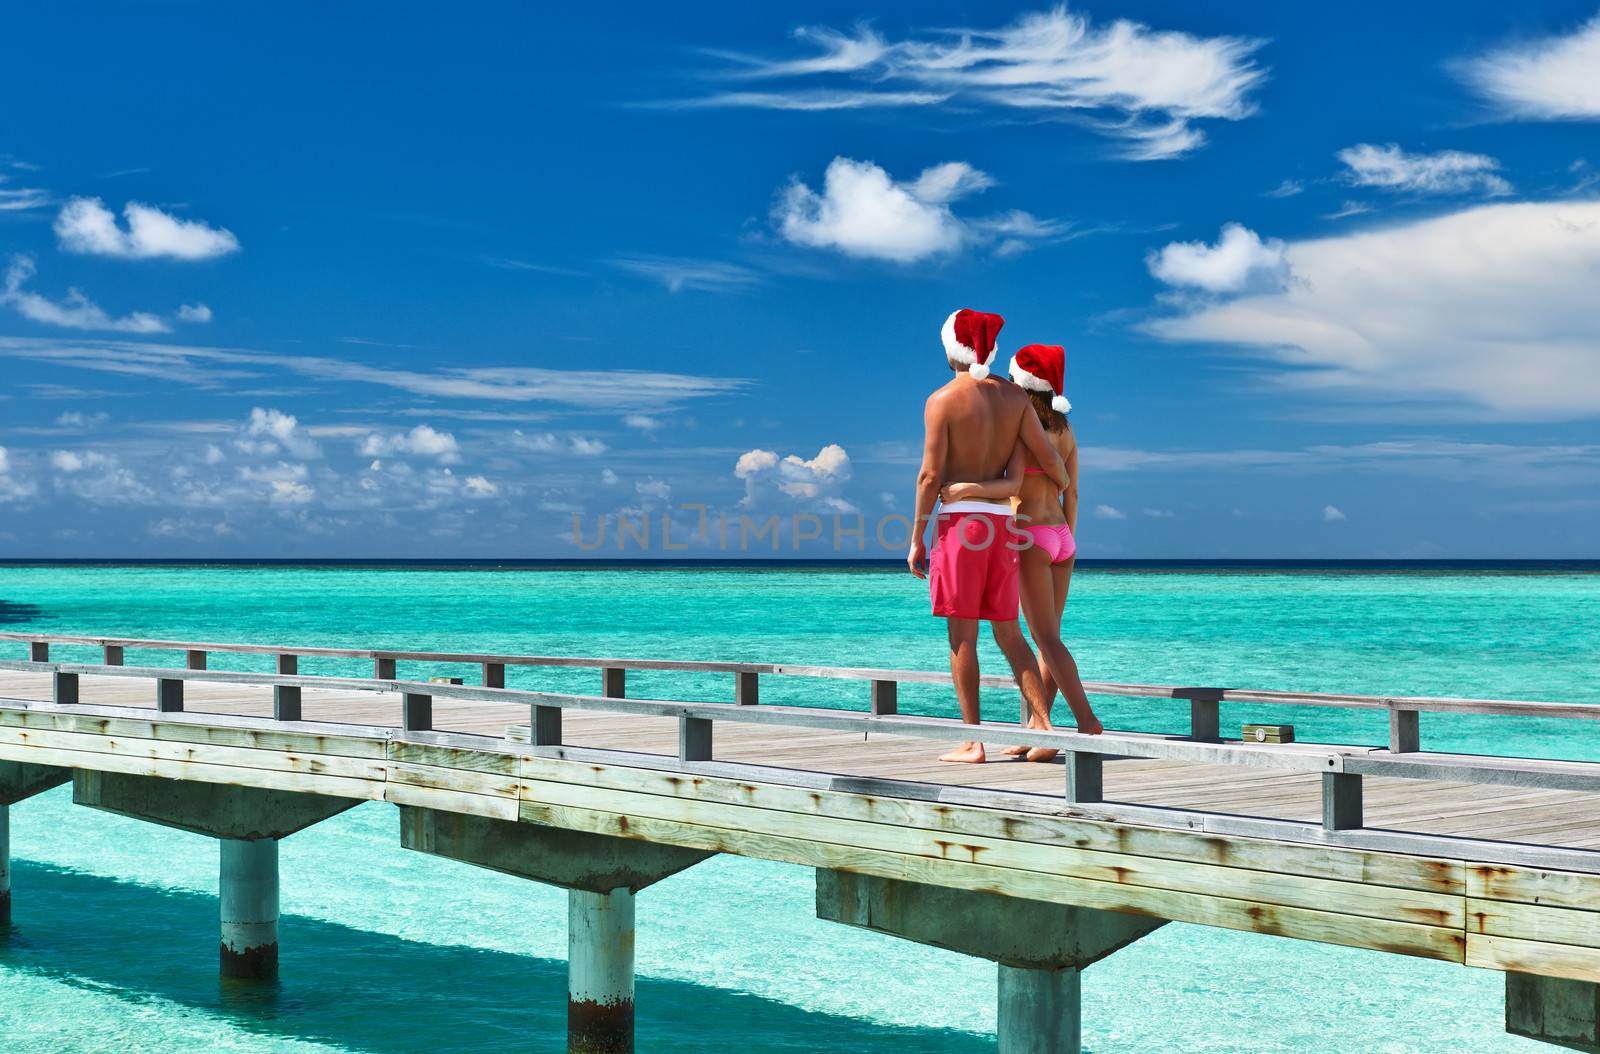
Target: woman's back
(1039,502)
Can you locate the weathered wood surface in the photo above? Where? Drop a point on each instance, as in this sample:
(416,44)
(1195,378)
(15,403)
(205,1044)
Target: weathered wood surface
(1448,905)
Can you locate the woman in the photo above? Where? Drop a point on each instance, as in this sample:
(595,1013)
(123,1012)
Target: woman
(1048,517)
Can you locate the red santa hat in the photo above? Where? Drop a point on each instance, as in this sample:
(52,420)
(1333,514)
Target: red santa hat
(969,338)
(1043,368)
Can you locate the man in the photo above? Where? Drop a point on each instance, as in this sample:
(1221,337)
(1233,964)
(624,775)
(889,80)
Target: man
(972,426)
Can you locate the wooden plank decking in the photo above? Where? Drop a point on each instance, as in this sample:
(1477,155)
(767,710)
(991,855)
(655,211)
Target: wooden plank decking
(1545,817)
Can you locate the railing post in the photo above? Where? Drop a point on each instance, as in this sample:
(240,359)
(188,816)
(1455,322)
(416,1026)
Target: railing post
(416,712)
(197,660)
(544,726)
(38,651)
(1205,716)
(494,675)
(286,698)
(614,682)
(694,739)
(112,655)
(1341,801)
(1085,779)
(1405,732)
(169,695)
(382,669)
(747,688)
(64,688)
(885,698)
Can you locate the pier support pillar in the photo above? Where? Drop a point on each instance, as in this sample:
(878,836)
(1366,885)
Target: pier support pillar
(600,972)
(249,895)
(1040,948)
(1039,1010)
(247,822)
(600,873)
(19,781)
(1554,1010)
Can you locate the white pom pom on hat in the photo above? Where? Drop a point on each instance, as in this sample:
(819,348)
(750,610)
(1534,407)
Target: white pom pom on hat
(969,338)
(1061,405)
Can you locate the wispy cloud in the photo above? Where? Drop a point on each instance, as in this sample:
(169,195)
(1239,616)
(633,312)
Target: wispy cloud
(21,199)
(85,225)
(506,263)
(1445,172)
(679,273)
(199,366)
(74,311)
(1548,78)
(1145,88)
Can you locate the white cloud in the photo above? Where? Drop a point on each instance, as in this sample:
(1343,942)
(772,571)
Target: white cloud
(1287,189)
(480,487)
(422,441)
(679,273)
(608,477)
(194,313)
(77,419)
(1108,512)
(268,431)
(76,311)
(1158,514)
(12,488)
(1445,172)
(1238,262)
(1551,78)
(550,443)
(1491,307)
(85,225)
(818,478)
(1141,86)
(863,212)
(659,489)
(286,483)
(1332,514)
(69,462)
(641,422)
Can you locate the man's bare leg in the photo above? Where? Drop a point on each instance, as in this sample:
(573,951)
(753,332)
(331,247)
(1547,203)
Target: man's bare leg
(1008,635)
(964,672)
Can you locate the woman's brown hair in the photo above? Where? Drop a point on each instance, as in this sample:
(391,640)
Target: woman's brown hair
(1052,421)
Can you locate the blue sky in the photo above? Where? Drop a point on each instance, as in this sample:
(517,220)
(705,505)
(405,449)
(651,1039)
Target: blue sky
(381,280)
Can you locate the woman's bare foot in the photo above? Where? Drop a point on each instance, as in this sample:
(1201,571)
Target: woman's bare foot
(1014,752)
(1042,754)
(965,754)
(1090,726)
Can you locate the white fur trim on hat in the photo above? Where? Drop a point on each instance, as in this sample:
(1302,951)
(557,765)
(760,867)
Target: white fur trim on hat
(953,348)
(1061,405)
(1028,380)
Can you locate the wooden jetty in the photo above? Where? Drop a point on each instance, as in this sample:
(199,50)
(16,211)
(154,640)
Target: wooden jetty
(1490,862)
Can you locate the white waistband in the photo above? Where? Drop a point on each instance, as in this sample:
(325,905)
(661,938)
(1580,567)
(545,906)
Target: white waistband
(994,508)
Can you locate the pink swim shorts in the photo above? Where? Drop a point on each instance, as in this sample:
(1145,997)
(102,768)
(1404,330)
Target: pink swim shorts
(972,571)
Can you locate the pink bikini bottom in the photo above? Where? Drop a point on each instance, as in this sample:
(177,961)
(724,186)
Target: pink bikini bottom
(1056,540)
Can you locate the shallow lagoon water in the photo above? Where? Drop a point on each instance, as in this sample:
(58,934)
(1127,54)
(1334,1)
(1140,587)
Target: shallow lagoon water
(389,951)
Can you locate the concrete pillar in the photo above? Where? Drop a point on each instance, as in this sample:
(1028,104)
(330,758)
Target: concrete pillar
(1040,1010)
(600,972)
(1041,948)
(249,889)
(5,868)
(1554,1010)
(600,873)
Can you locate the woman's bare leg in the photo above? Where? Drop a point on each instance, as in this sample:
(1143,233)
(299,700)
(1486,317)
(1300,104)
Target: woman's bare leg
(1040,607)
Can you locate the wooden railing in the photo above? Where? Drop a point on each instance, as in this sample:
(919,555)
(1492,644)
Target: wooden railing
(1341,767)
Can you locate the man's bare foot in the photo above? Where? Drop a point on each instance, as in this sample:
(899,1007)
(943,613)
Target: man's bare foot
(965,754)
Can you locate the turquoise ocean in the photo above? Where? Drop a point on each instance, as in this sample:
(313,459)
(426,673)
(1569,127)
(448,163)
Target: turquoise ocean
(389,951)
